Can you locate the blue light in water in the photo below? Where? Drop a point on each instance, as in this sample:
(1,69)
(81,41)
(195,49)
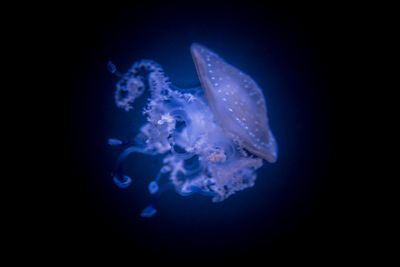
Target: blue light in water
(214,137)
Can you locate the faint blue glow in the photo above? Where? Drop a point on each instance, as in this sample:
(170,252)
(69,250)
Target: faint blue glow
(207,149)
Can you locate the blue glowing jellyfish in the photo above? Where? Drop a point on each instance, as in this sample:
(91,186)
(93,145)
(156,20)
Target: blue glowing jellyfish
(214,137)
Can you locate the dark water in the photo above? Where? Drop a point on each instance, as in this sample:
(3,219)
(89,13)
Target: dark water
(294,206)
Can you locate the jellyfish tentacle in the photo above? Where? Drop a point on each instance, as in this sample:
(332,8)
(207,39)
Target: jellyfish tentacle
(113,69)
(194,189)
(200,191)
(122,181)
(118,142)
(153,186)
(114,142)
(119,178)
(189,89)
(150,209)
(142,74)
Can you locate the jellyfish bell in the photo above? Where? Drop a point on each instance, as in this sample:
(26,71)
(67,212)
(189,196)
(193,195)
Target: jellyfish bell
(213,137)
(236,101)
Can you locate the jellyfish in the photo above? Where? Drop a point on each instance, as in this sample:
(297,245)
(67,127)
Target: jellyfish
(213,137)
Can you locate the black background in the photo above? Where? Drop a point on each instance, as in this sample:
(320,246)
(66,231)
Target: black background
(83,219)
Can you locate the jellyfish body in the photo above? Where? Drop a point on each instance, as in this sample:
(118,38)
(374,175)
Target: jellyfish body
(214,137)
(236,101)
